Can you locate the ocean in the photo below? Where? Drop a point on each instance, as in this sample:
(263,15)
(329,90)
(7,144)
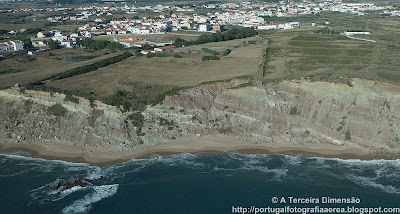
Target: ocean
(203,183)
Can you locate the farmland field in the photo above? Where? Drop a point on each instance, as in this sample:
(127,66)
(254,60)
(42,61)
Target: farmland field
(312,53)
(189,70)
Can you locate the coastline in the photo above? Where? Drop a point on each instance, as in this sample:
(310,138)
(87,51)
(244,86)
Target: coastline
(211,144)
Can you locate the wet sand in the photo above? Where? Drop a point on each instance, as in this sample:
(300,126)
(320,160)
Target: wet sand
(212,144)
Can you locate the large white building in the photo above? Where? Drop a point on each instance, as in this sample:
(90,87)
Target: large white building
(15,45)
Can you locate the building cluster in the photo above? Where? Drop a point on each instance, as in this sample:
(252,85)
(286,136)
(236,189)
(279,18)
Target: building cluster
(246,14)
(65,40)
(27,9)
(288,8)
(23,30)
(391,13)
(15,45)
(137,41)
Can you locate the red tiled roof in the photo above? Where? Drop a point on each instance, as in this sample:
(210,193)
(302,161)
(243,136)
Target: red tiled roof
(167,47)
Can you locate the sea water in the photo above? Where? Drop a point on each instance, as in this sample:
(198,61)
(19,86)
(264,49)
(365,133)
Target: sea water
(203,183)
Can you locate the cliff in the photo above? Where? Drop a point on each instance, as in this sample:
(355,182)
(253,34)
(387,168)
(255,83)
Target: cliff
(364,115)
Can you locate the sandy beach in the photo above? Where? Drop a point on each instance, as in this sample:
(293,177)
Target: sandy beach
(107,156)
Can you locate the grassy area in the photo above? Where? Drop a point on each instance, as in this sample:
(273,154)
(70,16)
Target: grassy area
(186,71)
(333,57)
(137,81)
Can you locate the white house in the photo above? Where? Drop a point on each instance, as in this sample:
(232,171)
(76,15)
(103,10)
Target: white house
(4,47)
(145,52)
(67,43)
(267,27)
(163,49)
(17,45)
(130,43)
(144,31)
(38,51)
(204,27)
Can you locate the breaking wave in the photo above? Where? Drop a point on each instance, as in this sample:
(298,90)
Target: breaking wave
(85,204)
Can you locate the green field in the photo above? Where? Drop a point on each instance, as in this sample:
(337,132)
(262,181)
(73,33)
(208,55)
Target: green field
(333,57)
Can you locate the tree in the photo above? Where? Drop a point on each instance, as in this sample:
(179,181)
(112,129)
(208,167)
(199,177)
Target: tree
(54,45)
(114,46)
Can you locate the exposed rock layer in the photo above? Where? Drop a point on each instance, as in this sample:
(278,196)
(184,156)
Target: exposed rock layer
(365,115)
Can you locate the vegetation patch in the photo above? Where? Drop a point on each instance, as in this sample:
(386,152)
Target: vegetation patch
(234,33)
(144,94)
(100,44)
(293,111)
(207,58)
(28,106)
(206,50)
(347,135)
(165,122)
(137,120)
(224,130)
(226,52)
(11,71)
(57,110)
(86,68)
(69,97)
(150,55)
(342,124)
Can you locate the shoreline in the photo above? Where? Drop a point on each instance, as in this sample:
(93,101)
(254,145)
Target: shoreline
(211,144)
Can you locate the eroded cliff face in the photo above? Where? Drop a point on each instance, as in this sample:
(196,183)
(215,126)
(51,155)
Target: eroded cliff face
(365,115)
(35,117)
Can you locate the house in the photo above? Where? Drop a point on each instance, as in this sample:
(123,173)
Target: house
(144,52)
(204,27)
(144,31)
(165,48)
(67,44)
(77,38)
(110,32)
(100,20)
(38,51)
(44,34)
(218,28)
(40,44)
(140,43)
(122,31)
(131,43)
(267,27)
(4,47)
(17,45)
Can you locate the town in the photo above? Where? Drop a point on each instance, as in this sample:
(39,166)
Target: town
(179,18)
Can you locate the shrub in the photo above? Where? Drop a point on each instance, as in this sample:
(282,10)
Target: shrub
(293,111)
(71,98)
(89,68)
(231,34)
(137,121)
(226,52)
(206,50)
(206,58)
(57,110)
(347,136)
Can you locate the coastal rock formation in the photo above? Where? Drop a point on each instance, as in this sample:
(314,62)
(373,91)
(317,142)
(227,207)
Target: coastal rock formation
(364,114)
(34,117)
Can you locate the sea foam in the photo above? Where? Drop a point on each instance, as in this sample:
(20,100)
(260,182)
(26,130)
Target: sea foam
(85,204)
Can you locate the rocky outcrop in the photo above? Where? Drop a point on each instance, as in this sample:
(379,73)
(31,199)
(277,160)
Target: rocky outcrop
(364,115)
(35,116)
